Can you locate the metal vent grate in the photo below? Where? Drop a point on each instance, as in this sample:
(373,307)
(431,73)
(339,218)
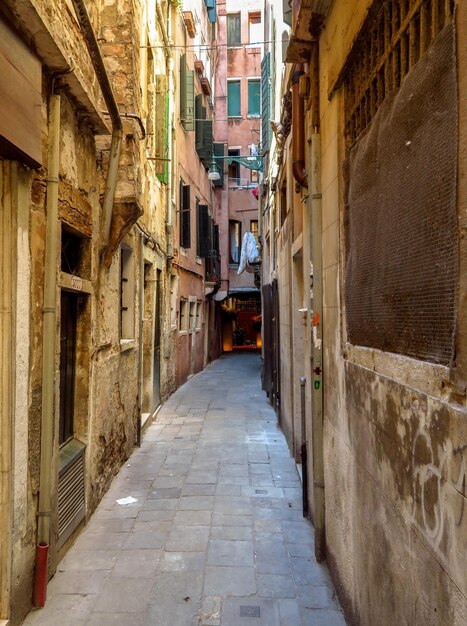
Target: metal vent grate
(71,497)
(396,35)
(401,227)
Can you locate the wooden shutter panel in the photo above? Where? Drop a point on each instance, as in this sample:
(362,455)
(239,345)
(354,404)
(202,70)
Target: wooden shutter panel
(233,98)
(160,127)
(199,122)
(212,13)
(204,232)
(219,150)
(206,149)
(215,239)
(254,97)
(203,131)
(185,216)
(187,95)
(265,104)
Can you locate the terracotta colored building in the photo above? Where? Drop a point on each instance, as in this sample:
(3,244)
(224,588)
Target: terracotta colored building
(196,261)
(237,132)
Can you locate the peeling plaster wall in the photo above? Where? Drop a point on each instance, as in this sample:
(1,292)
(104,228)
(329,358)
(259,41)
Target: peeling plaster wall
(106,407)
(395,429)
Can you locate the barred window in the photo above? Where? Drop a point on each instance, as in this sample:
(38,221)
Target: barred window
(396,35)
(401,237)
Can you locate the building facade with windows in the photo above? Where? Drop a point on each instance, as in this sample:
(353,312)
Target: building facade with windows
(364,258)
(196,258)
(237,132)
(87,211)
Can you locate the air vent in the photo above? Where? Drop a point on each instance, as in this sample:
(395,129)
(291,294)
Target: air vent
(71,498)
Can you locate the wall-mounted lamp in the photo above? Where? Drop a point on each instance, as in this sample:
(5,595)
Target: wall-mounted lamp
(213,171)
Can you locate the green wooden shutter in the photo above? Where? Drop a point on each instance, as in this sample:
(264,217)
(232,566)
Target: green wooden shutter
(219,150)
(233,98)
(187,95)
(254,97)
(204,246)
(160,127)
(203,131)
(205,152)
(199,121)
(265,103)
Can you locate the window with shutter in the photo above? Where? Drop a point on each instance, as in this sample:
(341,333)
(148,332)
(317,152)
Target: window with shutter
(212,12)
(233,98)
(185,216)
(203,131)
(219,151)
(233,30)
(187,95)
(204,239)
(254,97)
(215,239)
(265,104)
(200,114)
(235,241)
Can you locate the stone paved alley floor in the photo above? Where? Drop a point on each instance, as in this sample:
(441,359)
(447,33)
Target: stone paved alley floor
(216,535)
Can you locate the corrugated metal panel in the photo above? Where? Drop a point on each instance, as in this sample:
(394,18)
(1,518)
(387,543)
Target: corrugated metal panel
(71,496)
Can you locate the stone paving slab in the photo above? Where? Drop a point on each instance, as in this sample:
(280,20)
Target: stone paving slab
(216,536)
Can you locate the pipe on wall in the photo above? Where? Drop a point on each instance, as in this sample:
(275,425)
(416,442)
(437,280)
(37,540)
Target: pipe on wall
(48,354)
(117,126)
(317,350)
(298,129)
(166,34)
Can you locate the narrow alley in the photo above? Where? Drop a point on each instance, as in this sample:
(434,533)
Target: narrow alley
(214,534)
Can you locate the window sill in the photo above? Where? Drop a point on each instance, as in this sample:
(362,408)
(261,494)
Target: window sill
(199,260)
(127,344)
(253,116)
(235,117)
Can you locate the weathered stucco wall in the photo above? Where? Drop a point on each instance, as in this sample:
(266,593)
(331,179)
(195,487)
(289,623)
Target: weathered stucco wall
(395,433)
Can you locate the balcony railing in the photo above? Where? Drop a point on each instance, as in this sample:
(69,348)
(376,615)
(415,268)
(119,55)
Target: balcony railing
(213,268)
(241,183)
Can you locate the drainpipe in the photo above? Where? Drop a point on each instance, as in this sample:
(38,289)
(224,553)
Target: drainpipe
(112,108)
(143,239)
(166,34)
(304,450)
(317,322)
(48,355)
(298,129)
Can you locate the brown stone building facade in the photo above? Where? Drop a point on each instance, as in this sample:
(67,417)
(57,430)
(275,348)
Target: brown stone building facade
(87,222)
(364,265)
